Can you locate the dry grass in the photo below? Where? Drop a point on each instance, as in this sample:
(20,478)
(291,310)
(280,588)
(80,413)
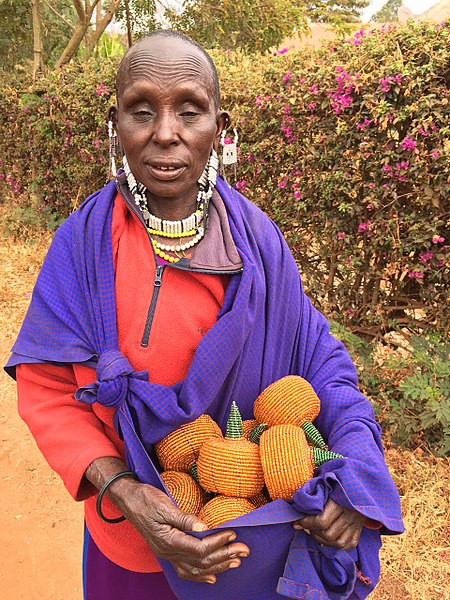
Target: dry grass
(415,566)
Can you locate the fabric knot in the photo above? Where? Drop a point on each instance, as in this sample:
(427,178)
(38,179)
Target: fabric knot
(114,372)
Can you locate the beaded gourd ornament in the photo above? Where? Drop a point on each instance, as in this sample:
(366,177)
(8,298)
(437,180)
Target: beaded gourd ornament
(224,508)
(231,466)
(186,492)
(292,400)
(179,450)
(288,460)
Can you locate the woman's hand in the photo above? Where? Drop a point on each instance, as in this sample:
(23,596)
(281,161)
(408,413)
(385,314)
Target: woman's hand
(163,527)
(335,526)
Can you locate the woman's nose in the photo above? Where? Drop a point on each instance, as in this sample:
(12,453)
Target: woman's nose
(166,129)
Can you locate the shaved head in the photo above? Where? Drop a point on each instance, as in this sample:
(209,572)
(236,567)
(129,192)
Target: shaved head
(133,67)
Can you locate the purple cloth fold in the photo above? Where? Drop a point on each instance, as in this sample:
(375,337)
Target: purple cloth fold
(265,330)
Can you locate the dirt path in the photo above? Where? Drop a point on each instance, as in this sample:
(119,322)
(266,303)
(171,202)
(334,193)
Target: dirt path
(41,526)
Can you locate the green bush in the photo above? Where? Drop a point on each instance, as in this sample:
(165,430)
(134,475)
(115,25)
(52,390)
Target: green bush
(410,391)
(346,148)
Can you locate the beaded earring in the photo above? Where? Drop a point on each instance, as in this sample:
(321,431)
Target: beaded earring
(113,145)
(229,152)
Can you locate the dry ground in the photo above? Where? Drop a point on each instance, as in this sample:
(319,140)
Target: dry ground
(40,526)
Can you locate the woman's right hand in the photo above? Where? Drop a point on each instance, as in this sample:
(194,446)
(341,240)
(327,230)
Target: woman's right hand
(165,527)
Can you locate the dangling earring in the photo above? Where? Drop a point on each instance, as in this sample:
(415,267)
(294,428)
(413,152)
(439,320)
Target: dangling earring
(229,152)
(112,135)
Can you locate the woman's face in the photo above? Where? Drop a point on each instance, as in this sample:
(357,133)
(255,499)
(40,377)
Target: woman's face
(167,120)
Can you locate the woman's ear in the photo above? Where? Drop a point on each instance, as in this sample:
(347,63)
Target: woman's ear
(223,122)
(112,115)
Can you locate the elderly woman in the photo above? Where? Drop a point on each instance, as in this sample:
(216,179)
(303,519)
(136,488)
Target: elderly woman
(183,296)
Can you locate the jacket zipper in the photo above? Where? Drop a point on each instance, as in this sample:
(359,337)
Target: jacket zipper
(151,311)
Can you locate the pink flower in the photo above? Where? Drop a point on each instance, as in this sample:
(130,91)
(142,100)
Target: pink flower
(102,90)
(435,154)
(408,143)
(437,239)
(426,256)
(341,235)
(297,195)
(315,213)
(362,227)
(287,76)
(241,185)
(251,157)
(283,50)
(415,275)
(371,185)
(286,109)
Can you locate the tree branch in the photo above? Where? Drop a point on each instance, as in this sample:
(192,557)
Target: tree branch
(54,11)
(80,10)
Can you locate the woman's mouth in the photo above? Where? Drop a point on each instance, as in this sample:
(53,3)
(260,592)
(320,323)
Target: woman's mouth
(166,172)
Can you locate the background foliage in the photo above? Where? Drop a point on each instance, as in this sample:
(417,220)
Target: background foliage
(347,149)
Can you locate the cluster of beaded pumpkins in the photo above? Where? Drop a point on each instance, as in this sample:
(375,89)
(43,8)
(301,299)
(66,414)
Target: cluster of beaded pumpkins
(220,478)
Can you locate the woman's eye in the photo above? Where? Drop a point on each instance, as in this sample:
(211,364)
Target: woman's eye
(143,113)
(189,113)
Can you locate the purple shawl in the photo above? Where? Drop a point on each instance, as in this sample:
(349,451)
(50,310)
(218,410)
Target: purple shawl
(266,329)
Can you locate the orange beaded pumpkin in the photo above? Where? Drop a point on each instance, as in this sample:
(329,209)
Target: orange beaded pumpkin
(248,426)
(179,450)
(290,400)
(231,466)
(288,460)
(224,508)
(186,492)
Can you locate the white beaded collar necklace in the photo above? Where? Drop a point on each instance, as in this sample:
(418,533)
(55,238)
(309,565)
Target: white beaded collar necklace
(189,225)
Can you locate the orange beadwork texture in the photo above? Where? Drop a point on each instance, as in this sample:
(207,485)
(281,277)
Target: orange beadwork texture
(287,460)
(258,500)
(288,400)
(223,508)
(179,450)
(186,492)
(231,467)
(248,426)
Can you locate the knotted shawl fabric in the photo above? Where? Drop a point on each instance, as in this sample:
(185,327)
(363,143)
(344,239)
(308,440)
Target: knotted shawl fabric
(265,330)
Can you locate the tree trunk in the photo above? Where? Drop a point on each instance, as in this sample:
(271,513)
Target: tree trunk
(74,43)
(38,61)
(94,37)
(129,29)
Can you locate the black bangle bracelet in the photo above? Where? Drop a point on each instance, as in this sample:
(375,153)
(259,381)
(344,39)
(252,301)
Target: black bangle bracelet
(102,493)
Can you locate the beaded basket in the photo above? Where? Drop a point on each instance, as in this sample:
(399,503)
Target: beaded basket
(179,450)
(223,508)
(186,492)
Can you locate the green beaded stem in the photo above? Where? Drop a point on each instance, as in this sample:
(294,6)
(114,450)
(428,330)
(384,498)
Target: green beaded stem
(256,433)
(313,435)
(320,456)
(234,424)
(193,472)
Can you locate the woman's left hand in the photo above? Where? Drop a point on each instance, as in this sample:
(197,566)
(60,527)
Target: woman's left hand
(335,526)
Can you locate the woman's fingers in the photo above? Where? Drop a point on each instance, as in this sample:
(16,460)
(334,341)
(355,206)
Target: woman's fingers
(336,526)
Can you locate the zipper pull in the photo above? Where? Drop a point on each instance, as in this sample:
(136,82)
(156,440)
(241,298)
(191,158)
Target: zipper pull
(158,276)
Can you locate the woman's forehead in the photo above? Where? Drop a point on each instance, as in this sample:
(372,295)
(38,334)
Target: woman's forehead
(166,61)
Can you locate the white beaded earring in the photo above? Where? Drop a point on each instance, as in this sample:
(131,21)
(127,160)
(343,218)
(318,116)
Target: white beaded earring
(229,152)
(112,135)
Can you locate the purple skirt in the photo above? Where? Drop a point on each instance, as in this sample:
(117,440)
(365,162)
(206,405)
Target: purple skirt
(104,580)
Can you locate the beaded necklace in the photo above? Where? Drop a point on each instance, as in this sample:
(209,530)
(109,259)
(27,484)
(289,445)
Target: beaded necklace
(185,227)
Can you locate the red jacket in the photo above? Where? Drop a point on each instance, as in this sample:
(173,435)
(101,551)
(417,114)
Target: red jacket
(71,434)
